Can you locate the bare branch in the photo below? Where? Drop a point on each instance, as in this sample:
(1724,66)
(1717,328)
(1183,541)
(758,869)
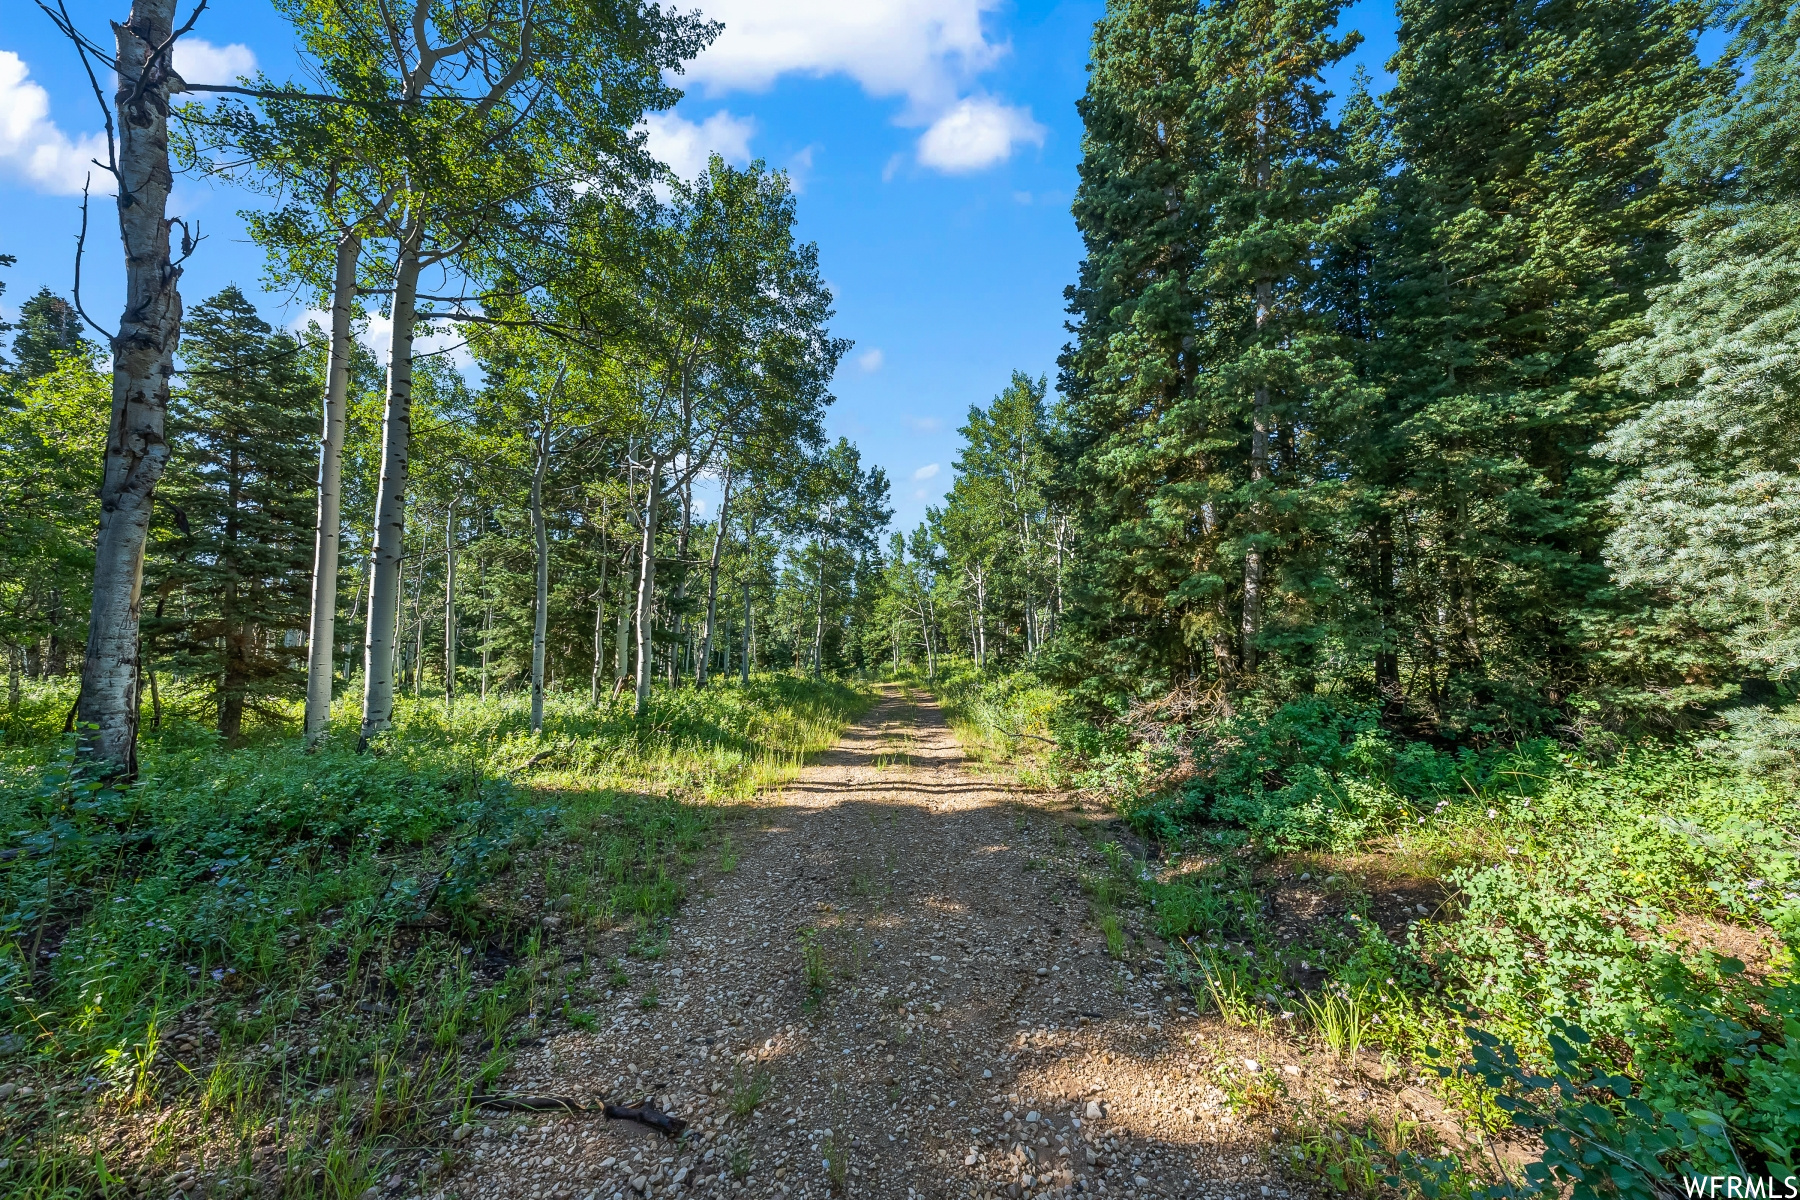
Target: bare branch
(80,247)
(84,47)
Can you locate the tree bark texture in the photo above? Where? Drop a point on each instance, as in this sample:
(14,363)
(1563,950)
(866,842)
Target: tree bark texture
(712,584)
(379,643)
(646,589)
(143,362)
(540,612)
(322,633)
(450,637)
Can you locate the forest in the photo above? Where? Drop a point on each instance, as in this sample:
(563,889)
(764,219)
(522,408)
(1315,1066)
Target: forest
(1414,507)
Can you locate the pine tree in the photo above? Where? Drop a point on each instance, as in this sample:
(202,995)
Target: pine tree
(1203,367)
(1529,220)
(48,330)
(235,512)
(1710,518)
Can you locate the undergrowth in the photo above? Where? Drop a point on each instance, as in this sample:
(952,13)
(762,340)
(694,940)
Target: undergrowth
(1610,974)
(262,963)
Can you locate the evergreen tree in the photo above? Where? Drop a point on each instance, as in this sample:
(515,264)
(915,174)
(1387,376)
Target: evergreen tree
(1203,369)
(49,328)
(1528,220)
(1710,519)
(235,512)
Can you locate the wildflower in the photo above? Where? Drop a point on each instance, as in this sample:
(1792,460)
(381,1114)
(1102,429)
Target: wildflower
(1492,813)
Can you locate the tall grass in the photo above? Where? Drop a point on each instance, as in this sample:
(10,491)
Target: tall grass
(259,959)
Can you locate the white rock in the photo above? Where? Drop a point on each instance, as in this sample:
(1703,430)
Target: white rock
(1252,1066)
(1093,1110)
(1032,1117)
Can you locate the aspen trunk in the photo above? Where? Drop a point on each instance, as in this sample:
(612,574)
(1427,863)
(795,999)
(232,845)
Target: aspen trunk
(622,632)
(450,609)
(599,630)
(418,655)
(143,362)
(746,665)
(322,634)
(712,584)
(540,613)
(487,628)
(379,643)
(818,647)
(646,591)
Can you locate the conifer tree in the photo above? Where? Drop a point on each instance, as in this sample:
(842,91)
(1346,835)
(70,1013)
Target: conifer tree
(48,329)
(1710,518)
(235,511)
(1201,361)
(1529,220)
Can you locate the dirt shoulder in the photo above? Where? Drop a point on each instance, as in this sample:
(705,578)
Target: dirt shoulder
(894,991)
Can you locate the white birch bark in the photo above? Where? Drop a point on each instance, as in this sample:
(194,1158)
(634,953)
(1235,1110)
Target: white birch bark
(322,635)
(647,584)
(143,362)
(712,585)
(450,608)
(379,642)
(540,612)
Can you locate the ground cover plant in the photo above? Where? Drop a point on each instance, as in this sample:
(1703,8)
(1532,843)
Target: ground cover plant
(259,963)
(1590,952)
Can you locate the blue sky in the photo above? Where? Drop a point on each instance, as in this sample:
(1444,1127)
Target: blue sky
(934,143)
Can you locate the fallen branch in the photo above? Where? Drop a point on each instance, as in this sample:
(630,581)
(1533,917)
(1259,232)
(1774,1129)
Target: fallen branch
(644,1113)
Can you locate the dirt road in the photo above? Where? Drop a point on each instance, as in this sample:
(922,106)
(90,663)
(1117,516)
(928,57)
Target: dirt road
(895,991)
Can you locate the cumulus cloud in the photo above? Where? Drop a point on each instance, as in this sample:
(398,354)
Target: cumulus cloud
(976,133)
(199,61)
(35,151)
(919,49)
(32,148)
(928,471)
(871,360)
(687,145)
(928,52)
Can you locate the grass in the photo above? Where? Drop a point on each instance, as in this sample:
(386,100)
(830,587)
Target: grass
(262,962)
(748,1090)
(814,969)
(836,1156)
(1604,962)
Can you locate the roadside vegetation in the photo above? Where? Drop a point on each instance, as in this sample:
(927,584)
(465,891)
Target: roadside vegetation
(1561,942)
(259,964)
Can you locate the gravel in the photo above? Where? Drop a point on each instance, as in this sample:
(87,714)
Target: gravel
(951,1048)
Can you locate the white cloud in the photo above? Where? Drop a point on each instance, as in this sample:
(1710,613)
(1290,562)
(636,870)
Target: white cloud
(799,169)
(977,133)
(920,49)
(199,61)
(32,148)
(925,424)
(378,333)
(686,145)
(919,493)
(871,360)
(928,471)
